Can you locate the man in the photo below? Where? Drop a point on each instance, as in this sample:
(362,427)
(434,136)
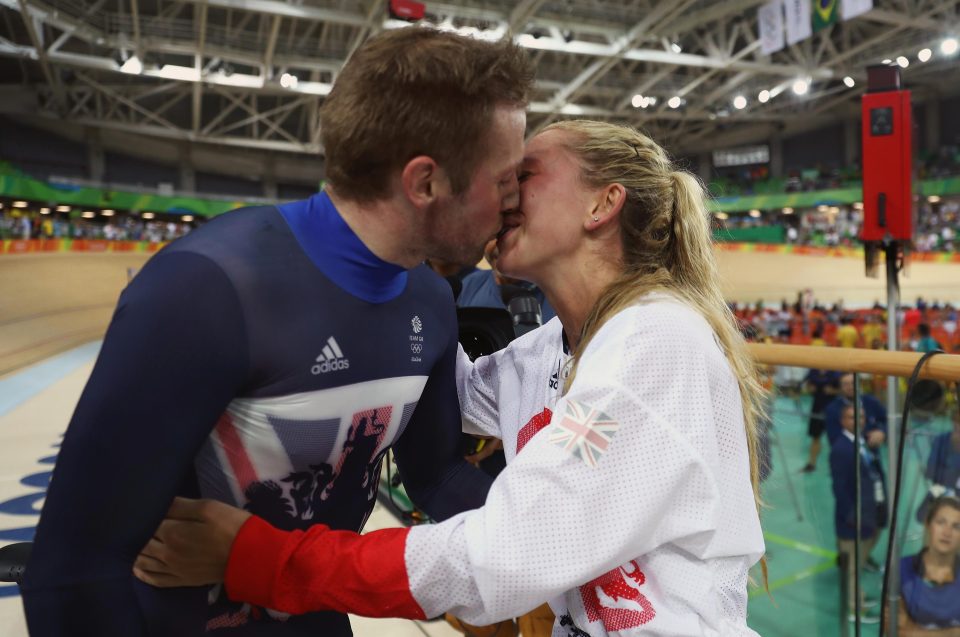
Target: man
(270,358)
(875,428)
(873,508)
(823,385)
(485,288)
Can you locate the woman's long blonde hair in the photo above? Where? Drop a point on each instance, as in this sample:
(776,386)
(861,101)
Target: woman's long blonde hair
(667,246)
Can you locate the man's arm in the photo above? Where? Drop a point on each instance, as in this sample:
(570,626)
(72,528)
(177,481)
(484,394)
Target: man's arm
(173,357)
(434,472)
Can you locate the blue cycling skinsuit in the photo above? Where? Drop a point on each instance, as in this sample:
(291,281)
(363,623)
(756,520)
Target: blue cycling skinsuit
(268,360)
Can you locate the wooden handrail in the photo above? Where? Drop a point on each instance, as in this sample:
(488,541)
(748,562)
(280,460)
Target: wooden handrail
(944,367)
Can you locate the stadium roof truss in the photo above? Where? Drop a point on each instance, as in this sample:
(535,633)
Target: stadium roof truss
(252,73)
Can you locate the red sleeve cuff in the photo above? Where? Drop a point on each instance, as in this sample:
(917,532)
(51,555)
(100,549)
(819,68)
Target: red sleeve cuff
(255,558)
(320,569)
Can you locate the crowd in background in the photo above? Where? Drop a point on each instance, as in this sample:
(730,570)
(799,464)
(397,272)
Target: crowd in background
(807,322)
(937,226)
(929,582)
(756,180)
(23,225)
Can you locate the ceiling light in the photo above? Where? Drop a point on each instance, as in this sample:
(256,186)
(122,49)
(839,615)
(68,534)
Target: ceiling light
(676,48)
(186,218)
(849,81)
(289,81)
(637,100)
(822,208)
(44,211)
(886,61)
(755,213)
(764,96)
(148,215)
(924,55)
(19,204)
(88,214)
(739,102)
(903,62)
(721,215)
(133,65)
(787,211)
(933,199)
(800,87)
(651,101)
(949,46)
(63,208)
(674,102)
(834,210)
(107,213)
(858,205)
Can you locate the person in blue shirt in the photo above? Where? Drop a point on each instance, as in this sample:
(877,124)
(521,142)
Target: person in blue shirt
(875,414)
(873,497)
(930,580)
(943,467)
(486,288)
(270,358)
(823,385)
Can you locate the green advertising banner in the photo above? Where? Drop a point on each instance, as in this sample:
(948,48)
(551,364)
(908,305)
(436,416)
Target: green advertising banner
(15,184)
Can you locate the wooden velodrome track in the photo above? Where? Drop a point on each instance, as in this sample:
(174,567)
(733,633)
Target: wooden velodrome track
(50,303)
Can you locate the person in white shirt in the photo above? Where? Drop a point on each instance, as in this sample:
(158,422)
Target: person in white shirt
(629,501)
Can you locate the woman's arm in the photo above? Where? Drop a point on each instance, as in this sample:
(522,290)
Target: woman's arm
(614,475)
(477,383)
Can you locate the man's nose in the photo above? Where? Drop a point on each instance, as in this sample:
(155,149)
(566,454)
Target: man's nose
(511,197)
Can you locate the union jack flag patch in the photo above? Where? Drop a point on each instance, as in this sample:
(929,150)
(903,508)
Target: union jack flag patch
(584,431)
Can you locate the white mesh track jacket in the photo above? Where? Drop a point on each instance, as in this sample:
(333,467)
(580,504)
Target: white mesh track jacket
(626,503)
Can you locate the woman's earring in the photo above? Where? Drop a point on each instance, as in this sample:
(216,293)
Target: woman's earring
(596,219)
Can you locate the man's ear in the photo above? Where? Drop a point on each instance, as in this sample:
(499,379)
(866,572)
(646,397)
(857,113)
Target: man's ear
(423,180)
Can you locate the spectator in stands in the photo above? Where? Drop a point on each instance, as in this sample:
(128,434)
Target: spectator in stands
(824,386)
(873,509)
(847,335)
(490,288)
(925,342)
(873,331)
(930,580)
(875,427)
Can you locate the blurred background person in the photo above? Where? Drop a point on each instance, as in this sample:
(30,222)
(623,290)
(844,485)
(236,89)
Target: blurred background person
(823,386)
(490,288)
(873,507)
(929,586)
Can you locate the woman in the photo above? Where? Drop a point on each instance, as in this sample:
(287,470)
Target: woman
(636,509)
(929,582)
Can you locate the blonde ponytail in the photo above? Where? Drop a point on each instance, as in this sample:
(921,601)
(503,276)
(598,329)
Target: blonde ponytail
(667,246)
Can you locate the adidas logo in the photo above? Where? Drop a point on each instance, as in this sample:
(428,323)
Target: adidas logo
(331,359)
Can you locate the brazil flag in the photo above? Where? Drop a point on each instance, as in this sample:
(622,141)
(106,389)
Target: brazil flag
(824,13)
